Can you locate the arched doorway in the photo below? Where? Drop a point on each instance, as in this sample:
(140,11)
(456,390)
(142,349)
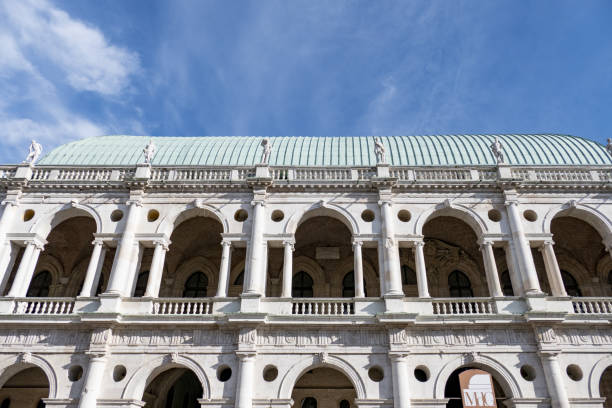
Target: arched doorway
(605,387)
(452,390)
(323,387)
(174,388)
(25,389)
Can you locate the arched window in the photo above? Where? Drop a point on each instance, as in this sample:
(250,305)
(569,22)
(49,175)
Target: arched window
(196,285)
(571,286)
(408,276)
(39,287)
(506,284)
(309,402)
(459,285)
(239,279)
(348,285)
(141,284)
(301,286)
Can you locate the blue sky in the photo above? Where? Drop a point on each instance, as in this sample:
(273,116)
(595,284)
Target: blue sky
(73,69)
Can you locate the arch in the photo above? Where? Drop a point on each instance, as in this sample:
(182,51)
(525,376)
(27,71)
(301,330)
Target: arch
(182,214)
(145,374)
(13,365)
(312,268)
(461,212)
(591,216)
(297,370)
(61,213)
(322,209)
(505,379)
(595,375)
(187,268)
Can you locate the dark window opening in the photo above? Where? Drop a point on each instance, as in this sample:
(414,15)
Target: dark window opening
(301,286)
(141,284)
(571,286)
(40,285)
(506,284)
(196,285)
(459,285)
(408,276)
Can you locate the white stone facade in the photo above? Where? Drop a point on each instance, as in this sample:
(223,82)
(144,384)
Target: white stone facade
(543,347)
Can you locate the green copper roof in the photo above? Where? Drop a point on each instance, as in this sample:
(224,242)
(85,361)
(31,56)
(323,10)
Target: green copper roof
(448,150)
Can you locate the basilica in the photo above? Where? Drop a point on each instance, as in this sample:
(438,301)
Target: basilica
(307,272)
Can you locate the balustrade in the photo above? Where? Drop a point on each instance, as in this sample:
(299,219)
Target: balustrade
(592,305)
(467,306)
(329,307)
(182,306)
(44,306)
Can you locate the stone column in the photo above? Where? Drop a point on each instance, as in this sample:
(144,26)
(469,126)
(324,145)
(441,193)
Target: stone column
(515,279)
(289,246)
(157,268)
(244,387)
(358,269)
(552,269)
(8,215)
(224,269)
(531,285)
(23,277)
(94,269)
(399,367)
(554,379)
(421,271)
(495,289)
(256,259)
(94,381)
(392,271)
(120,282)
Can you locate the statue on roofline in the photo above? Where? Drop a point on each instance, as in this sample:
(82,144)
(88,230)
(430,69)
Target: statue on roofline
(379,150)
(149,152)
(34,152)
(267,149)
(609,146)
(498,151)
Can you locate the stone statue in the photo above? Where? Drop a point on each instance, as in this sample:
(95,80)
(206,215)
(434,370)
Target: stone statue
(267,149)
(498,151)
(34,152)
(149,152)
(379,150)
(609,146)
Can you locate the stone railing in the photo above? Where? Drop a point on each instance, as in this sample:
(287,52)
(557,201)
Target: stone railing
(193,174)
(44,306)
(323,307)
(592,305)
(182,306)
(464,306)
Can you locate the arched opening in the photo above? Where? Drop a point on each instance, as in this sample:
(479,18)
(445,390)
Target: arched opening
(26,388)
(323,387)
(578,249)
(173,388)
(605,387)
(301,285)
(40,285)
(196,285)
(193,259)
(453,259)
(326,244)
(459,285)
(452,390)
(348,285)
(65,258)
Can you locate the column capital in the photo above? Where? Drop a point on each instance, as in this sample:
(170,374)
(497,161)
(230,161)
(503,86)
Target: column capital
(399,356)
(418,243)
(255,203)
(10,203)
(97,242)
(246,355)
(136,201)
(96,355)
(357,243)
(37,243)
(163,243)
(383,202)
(290,243)
(510,202)
(549,354)
(226,242)
(484,244)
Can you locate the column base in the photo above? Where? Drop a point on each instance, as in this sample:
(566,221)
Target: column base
(110,303)
(430,403)
(272,403)
(249,302)
(60,402)
(374,403)
(119,403)
(216,403)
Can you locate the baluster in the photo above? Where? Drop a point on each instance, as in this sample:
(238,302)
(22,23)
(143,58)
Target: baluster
(596,307)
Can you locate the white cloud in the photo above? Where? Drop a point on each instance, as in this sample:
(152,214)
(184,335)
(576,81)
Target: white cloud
(38,40)
(81,51)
